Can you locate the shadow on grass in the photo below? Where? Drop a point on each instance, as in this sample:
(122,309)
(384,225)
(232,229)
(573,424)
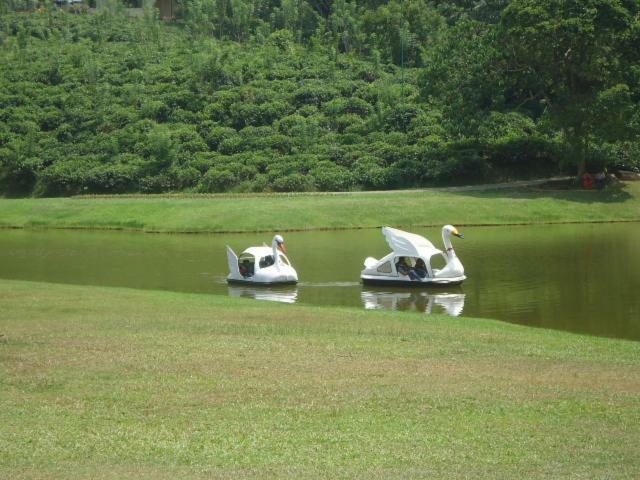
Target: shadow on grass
(613,194)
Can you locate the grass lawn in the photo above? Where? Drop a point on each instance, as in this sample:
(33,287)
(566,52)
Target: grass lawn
(238,213)
(116,383)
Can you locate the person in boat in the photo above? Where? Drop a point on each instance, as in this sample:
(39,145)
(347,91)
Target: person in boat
(267,261)
(245,268)
(420,268)
(403,268)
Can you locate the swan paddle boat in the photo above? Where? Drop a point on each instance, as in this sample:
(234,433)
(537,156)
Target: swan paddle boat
(410,262)
(262,265)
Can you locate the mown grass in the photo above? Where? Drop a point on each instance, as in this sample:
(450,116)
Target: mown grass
(116,383)
(246,213)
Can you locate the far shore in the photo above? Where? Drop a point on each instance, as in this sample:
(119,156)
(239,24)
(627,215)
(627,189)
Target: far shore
(227,213)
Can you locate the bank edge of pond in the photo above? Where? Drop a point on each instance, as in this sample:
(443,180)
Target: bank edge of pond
(310,229)
(206,373)
(310,212)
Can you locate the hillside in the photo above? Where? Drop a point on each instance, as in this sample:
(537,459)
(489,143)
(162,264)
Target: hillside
(304,96)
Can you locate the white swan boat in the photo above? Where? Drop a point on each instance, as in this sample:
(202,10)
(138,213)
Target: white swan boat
(411,261)
(262,265)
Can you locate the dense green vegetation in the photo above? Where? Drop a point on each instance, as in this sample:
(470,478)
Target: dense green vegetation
(311,211)
(292,95)
(116,383)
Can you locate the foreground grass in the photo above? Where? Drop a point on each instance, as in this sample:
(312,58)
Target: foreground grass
(116,383)
(283,212)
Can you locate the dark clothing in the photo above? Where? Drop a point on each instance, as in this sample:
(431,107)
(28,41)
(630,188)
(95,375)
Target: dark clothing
(403,269)
(246,268)
(420,269)
(267,261)
(413,275)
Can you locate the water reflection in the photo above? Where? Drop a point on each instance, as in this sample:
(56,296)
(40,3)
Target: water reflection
(451,303)
(274,294)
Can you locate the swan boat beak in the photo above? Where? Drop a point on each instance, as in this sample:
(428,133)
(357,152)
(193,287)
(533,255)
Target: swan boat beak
(457,233)
(282,248)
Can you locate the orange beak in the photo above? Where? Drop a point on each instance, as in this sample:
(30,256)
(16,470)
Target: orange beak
(282,249)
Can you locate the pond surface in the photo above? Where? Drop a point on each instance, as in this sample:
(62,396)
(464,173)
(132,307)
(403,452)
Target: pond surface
(581,278)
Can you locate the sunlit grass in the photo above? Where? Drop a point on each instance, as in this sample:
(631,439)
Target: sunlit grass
(116,383)
(246,213)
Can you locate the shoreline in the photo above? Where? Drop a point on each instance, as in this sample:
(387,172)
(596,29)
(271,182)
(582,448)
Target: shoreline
(311,229)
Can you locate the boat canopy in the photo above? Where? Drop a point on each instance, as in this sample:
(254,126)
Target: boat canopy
(405,244)
(259,252)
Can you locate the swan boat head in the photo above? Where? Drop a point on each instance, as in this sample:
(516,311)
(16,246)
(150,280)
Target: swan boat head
(451,230)
(278,244)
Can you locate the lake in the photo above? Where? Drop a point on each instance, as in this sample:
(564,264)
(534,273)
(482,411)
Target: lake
(580,278)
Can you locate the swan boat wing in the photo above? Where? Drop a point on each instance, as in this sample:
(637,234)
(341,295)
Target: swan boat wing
(408,244)
(232,259)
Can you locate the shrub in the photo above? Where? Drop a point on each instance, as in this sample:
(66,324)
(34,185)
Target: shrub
(351,105)
(216,135)
(155,110)
(329,177)
(67,177)
(186,177)
(111,178)
(313,93)
(187,139)
(217,180)
(400,116)
(295,182)
(370,174)
(160,148)
(163,182)
(457,163)
(17,175)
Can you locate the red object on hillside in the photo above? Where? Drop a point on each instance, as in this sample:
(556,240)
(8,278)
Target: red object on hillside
(587,180)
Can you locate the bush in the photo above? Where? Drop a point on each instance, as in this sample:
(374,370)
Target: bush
(457,163)
(351,105)
(160,148)
(111,178)
(160,183)
(214,136)
(295,182)
(68,177)
(313,93)
(17,175)
(370,174)
(330,178)
(186,177)
(217,180)
(155,110)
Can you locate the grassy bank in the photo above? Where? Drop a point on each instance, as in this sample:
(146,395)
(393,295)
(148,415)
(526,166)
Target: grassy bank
(308,211)
(114,383)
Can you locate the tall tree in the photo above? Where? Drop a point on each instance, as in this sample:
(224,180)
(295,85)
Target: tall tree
(573,58)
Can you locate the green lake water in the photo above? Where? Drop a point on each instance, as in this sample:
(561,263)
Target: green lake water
(580,278)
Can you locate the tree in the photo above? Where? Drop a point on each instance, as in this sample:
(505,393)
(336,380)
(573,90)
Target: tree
(572,58)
